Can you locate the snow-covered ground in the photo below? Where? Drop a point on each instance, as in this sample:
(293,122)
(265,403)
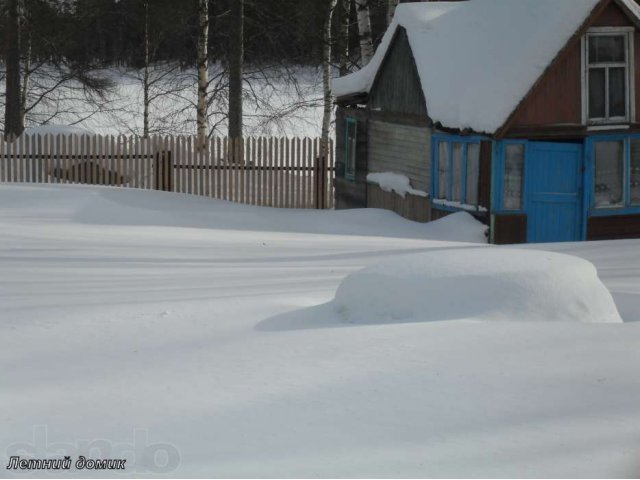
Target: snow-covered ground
(135,323)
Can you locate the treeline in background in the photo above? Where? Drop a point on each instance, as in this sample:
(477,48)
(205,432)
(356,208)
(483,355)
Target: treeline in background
(168,66)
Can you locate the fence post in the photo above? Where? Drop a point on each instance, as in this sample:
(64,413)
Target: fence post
(163,171)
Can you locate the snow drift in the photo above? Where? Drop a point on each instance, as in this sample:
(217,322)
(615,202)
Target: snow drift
(489,284)
(395,182)
(82,204)
(128,319)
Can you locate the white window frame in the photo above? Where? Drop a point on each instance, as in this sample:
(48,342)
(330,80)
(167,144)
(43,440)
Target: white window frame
(624,180)
(628,33)
(463,178)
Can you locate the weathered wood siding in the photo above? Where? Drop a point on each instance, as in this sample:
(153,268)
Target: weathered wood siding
(401,149)
(397,87)
(557,98)
(411,207)
(393,131)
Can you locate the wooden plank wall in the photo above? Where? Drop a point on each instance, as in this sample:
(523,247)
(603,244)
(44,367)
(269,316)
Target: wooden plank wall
(411,207)
(401,149)
(397,87)
(263,171)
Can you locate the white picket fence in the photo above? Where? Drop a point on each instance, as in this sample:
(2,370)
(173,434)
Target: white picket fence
(266,171)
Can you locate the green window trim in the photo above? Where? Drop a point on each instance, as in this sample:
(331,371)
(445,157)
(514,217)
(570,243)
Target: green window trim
(350,148)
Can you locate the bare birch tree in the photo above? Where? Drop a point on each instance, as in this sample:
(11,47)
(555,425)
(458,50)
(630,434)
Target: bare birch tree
(364,31)
(343,36)
(203,71)
(236,61)
(147,71)
(326,78)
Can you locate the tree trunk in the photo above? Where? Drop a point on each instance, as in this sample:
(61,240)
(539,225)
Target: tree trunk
(364,30)
(13,125)
(147,71)
(203,72)
(236,61)
(326,79)
(343,36)
(26,76)
(391,10)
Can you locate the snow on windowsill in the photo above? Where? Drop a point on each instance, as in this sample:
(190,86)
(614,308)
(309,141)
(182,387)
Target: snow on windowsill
(462,206)
(395,182)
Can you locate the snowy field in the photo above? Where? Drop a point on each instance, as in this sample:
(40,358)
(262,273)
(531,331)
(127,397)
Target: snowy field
(194,338)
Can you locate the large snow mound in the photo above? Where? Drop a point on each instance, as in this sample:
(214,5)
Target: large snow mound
(473,283)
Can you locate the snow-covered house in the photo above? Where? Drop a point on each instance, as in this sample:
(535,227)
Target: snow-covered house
(524,112)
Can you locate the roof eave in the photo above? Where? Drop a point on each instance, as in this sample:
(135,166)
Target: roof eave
(633,16)
(352,99)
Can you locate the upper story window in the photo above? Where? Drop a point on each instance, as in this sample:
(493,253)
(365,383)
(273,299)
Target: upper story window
(607,73)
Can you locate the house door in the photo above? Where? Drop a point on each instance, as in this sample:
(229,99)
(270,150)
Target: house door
(554,192)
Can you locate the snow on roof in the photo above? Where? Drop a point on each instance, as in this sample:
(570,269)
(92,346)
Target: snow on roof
(477,59)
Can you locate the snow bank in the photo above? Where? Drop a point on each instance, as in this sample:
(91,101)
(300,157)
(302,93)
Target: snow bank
(125,207)
(394,182)
(489,284)
(121,331)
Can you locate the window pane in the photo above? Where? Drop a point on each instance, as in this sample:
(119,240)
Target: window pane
(609,174)
(635,172)
(606,48)
(456,189)
(596,93)
(443,170)
(513,177)
(350,157)
(473,173)
(617,92)
(351,163)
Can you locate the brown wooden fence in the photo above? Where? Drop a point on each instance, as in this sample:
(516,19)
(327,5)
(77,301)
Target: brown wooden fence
(266,171)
